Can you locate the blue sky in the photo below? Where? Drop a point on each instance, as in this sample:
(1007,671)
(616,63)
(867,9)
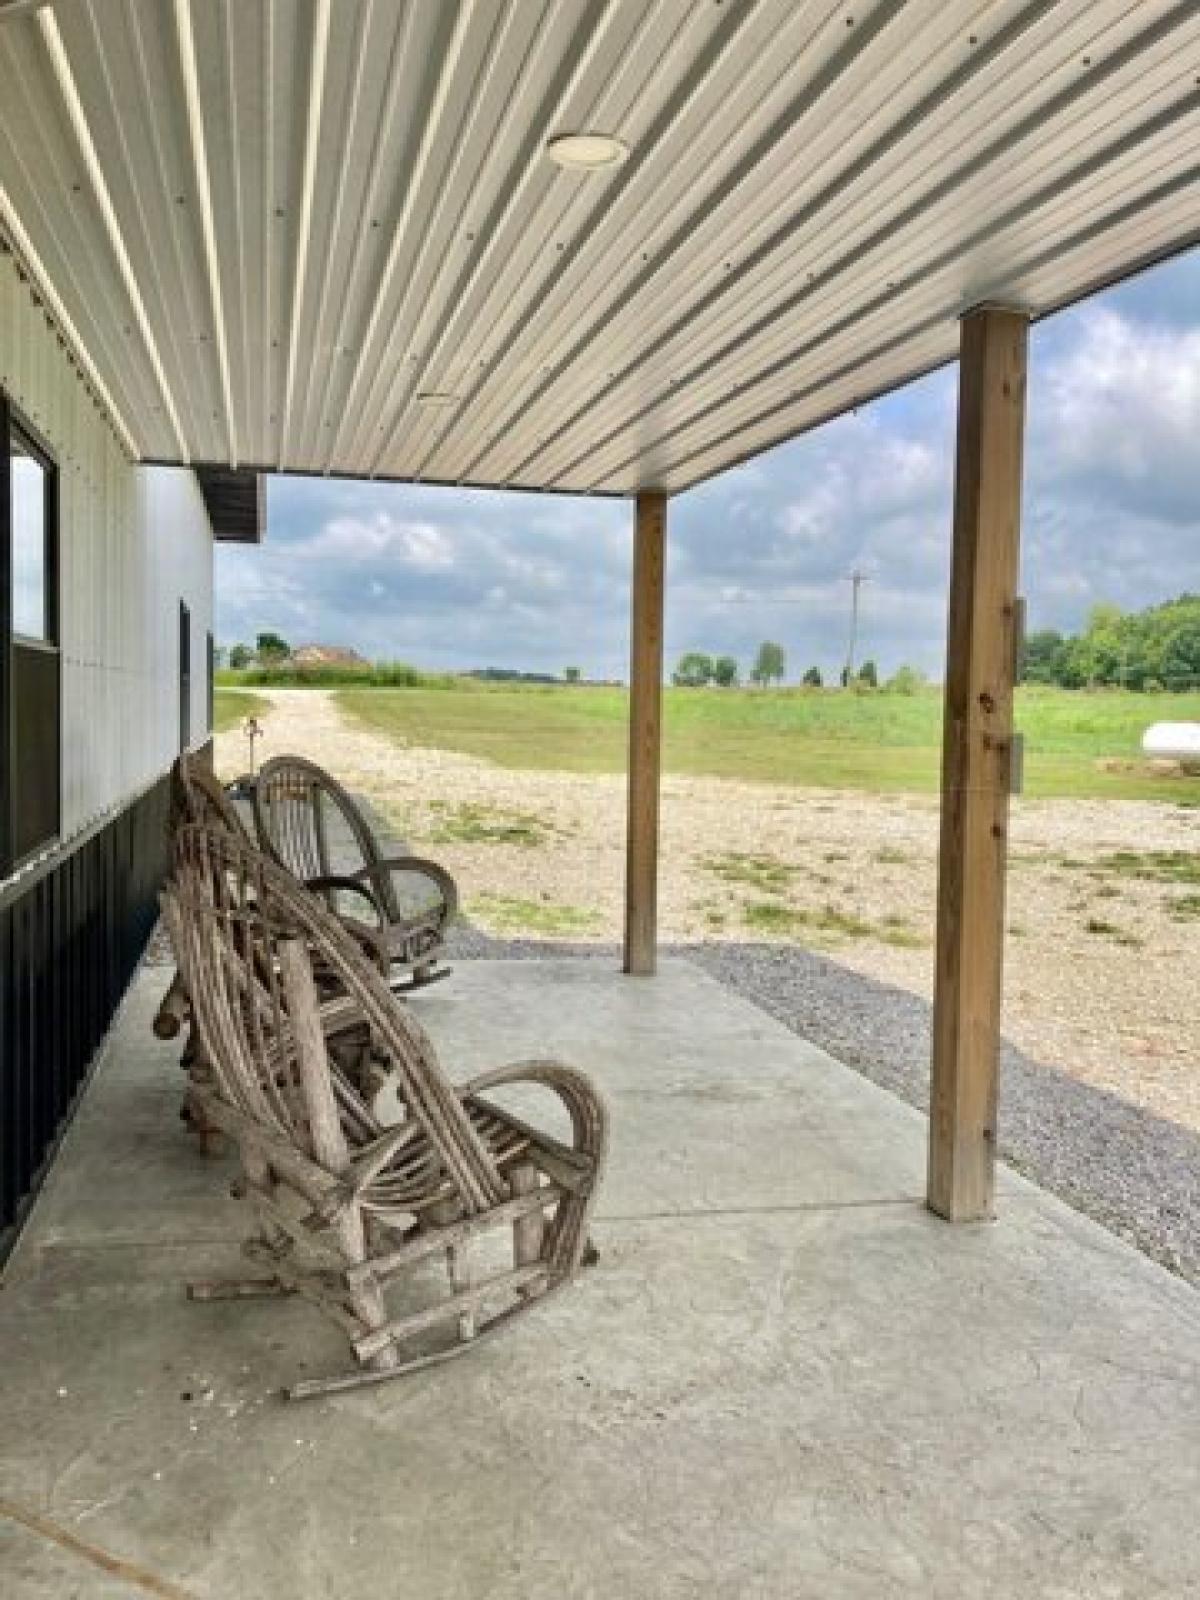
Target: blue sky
(455,578)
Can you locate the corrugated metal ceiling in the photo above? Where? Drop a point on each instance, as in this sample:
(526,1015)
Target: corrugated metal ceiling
(273,224)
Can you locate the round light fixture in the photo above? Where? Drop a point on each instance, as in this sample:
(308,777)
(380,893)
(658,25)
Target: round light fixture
(435,398)
(587,152)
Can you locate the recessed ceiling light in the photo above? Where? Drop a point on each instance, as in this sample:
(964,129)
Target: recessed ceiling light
(436,397)
(588,152)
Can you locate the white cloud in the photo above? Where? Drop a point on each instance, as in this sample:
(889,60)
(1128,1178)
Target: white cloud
(1120,415)
(420,546)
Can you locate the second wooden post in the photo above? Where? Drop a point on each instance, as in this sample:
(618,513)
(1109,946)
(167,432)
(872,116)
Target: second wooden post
(645,733)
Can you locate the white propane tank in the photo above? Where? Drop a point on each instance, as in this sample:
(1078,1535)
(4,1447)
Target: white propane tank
(1172,741)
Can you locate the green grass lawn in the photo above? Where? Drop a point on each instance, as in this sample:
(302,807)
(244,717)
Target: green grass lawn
(879,742)
(233,706)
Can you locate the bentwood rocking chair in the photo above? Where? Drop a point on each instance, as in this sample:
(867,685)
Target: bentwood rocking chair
(198,796)
(308,823)
(347,1207)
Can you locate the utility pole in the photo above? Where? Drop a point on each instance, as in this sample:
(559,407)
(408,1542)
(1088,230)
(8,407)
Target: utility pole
(855,579)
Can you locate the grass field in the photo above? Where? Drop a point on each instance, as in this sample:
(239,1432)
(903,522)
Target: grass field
(1077,744)
(231,706)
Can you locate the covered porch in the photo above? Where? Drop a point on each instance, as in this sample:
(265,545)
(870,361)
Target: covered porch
(785,1377)
(264,238)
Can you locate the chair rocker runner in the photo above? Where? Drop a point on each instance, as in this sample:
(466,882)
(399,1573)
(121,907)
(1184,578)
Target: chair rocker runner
(346,1207)
(307,823)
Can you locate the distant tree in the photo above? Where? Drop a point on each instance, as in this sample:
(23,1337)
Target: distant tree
(905,680)
(240,656)
(770,664)
(271,649)
(1120,649)
(725,672)
(812,679)
(572,674)
(1042,657)
(1178,655)
(868,675)
(1104,617)
(1101,654)
(695,669)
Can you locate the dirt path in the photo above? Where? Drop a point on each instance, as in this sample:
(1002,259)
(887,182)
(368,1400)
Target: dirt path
(1103,962)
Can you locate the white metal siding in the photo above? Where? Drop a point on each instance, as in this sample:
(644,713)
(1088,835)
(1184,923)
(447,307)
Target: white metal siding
(134,541)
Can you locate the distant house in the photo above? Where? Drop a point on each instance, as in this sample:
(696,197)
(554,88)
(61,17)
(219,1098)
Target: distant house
(326,655)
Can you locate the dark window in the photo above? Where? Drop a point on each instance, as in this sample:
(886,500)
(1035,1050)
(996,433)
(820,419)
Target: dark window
(29,655)
(185,676)
(212,679)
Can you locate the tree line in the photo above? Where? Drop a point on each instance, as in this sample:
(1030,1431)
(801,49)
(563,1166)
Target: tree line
(1154,649)
(696,669)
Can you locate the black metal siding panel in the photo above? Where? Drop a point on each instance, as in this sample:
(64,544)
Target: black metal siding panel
(69,943)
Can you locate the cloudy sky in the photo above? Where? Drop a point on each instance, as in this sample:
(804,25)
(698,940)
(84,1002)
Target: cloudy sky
(456,578)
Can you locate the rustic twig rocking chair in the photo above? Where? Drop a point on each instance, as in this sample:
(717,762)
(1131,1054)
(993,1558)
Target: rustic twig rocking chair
(197,796)
(347,1207)
(305,821)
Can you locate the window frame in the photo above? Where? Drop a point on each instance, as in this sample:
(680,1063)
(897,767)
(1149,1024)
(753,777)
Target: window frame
(15,423)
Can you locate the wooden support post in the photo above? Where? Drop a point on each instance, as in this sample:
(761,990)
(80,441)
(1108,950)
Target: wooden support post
(645,733)
(976,762)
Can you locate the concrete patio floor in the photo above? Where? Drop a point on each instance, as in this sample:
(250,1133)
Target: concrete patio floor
(784,1379)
